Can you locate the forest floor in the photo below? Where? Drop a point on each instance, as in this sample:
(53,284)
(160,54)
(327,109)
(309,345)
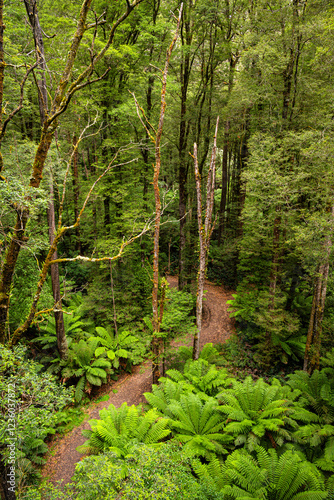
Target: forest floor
(217,327)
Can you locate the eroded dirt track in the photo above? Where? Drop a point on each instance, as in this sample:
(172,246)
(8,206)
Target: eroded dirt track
(217,327)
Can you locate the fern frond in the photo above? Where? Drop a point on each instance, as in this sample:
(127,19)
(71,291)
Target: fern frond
(79,390)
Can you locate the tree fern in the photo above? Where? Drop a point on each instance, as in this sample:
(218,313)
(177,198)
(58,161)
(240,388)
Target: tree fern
(316,392)
(114,347)
(203,378)
(198,425)
(316,395)
(162,395)
(268,476)
(81,362)
(119,429)
(255,411)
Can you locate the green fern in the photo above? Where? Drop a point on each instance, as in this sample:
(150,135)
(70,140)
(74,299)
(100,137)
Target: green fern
(316,395)
(317,392)
(119,429)
(81,363)
(203,378)
(257,411)
(198,425)
(163,395)
(114,347)
(268,476)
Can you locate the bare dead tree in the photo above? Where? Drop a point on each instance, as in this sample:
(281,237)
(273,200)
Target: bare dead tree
(156,139)
(204,232)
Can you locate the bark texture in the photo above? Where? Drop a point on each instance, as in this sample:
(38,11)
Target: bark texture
(157,318)
(204,232)
(313,341)
(62,97)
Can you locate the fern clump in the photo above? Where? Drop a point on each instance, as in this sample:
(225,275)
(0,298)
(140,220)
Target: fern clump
(82,363)
(257,412)
(114,347)
(119,429)
(263,476)
(317,396)
(202,377)
(198,425)
(166,393)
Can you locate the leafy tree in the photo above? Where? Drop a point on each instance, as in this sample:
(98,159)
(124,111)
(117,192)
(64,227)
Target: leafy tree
(163,473)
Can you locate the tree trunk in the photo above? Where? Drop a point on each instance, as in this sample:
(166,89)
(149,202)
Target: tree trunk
(186,38)
(157,318)
(31,8)
(76,194)
(2,71)
(313,341)
(204,233)
(223,198)
(54,270)
(8,267)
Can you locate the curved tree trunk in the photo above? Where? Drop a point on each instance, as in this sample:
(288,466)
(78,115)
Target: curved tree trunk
(31,8)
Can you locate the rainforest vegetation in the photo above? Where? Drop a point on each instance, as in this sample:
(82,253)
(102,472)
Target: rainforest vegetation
(146,138)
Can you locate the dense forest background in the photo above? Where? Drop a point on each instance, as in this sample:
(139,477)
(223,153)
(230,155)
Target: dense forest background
(80,100)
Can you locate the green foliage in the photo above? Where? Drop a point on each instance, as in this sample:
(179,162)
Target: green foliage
(73,331)
(316,395)
(177,318)
(69,418)
(317,392)
(37,398)
(257,411)
(24,288)
(198,425)
(132,291)
(268,476)
(162,473)
(119,429)
(164,394)
(116,347)
(201,377)
(82,363)
(209,353)
(266,317)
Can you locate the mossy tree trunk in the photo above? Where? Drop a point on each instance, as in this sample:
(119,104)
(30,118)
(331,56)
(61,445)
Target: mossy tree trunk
(31,8)
(204,232)
(157,317)
(64,92)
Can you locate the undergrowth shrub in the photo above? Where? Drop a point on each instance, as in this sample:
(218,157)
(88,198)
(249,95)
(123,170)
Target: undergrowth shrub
(38,397)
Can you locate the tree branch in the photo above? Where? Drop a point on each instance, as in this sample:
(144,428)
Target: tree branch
(20,105)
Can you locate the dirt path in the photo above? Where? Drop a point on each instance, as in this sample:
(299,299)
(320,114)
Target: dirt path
(217,327)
